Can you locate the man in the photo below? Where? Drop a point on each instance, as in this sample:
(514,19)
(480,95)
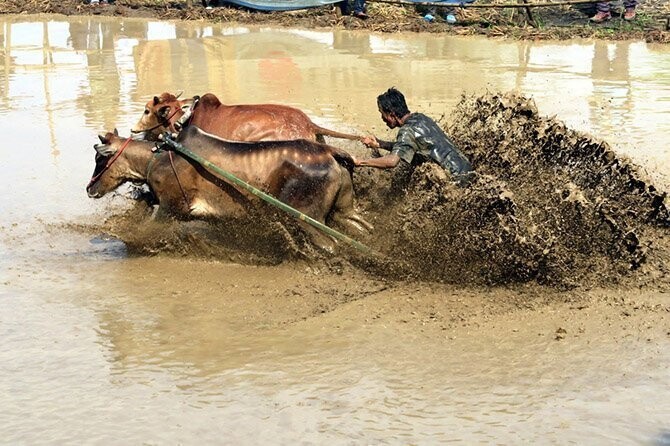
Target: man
(419,139)
(603,11)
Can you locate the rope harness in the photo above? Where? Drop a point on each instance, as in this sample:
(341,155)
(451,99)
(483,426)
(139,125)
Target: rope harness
(186,118)
(181,188)
(156,151)
(109,163)
(160,148)
(162,122)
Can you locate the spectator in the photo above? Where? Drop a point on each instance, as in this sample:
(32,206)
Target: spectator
(603,11)
(448,13)
(359,9)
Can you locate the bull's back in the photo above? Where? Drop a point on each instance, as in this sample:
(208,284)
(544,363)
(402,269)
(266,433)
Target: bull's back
(268,165)
(300,173)
(253,122)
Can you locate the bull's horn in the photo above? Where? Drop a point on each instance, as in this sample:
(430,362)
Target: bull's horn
(181,92)
(103,139)
(116,132)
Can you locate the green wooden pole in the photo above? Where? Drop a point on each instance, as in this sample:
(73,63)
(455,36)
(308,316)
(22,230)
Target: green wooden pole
(266,197)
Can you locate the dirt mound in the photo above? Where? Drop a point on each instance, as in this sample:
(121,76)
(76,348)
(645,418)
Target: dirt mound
(549,204)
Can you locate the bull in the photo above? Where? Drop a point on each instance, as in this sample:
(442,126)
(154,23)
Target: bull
(243,122)
(312,178)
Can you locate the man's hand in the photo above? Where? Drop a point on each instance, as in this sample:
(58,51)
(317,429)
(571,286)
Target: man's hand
(371,142)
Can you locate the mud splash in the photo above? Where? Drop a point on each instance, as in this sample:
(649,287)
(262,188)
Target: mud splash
(257,240)
(548,204)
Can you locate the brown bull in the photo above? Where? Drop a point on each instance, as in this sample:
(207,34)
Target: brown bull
(246,122)
(303,174)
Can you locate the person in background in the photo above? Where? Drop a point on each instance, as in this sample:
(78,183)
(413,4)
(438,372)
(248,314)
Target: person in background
(603,11)
(448,13)
(420,139)
(359,9)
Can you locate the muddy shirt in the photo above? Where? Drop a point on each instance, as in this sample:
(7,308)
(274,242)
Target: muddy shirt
(420,135)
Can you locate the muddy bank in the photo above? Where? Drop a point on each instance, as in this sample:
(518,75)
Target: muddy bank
(548,205)
(560,22)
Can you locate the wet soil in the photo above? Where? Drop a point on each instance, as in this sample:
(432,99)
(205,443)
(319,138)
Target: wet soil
(555,22)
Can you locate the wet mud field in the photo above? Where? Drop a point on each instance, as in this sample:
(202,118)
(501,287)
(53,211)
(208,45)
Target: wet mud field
(529,305)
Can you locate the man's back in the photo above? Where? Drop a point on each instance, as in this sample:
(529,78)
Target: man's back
(421,135)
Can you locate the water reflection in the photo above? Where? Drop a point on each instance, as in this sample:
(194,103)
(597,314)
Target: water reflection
(114,66)
(96,41)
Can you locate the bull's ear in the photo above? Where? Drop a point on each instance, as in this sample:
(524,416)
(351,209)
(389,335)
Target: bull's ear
(164,111)
(156,100)
(116,132)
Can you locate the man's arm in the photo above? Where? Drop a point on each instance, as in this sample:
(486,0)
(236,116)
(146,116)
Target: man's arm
(384,162)
(374,143)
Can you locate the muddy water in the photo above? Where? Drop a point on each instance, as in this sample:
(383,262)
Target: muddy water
(97,346)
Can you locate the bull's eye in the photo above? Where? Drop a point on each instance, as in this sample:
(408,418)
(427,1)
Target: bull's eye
(146,112)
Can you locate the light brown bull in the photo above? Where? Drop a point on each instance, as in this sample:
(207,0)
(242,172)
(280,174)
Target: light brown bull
(244,122)
(303,174)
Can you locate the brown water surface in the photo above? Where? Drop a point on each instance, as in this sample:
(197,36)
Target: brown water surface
(100,347)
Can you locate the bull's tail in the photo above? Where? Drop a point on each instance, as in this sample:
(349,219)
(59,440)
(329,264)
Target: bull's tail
(343,158)
(332,133)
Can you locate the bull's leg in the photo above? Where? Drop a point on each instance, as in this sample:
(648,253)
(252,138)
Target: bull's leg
(352,222)
(320,239)
(291,185)
(314,209)
(343,212)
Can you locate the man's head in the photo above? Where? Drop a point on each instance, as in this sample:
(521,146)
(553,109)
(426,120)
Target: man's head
(392,107)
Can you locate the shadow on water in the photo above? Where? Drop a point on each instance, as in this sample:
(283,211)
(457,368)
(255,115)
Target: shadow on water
(109,247)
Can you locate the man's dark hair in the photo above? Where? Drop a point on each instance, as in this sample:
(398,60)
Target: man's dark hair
(392,102)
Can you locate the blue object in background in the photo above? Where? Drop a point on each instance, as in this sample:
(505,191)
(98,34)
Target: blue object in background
(292,5)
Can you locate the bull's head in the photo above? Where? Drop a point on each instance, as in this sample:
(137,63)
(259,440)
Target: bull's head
(160,115)
(107,174)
